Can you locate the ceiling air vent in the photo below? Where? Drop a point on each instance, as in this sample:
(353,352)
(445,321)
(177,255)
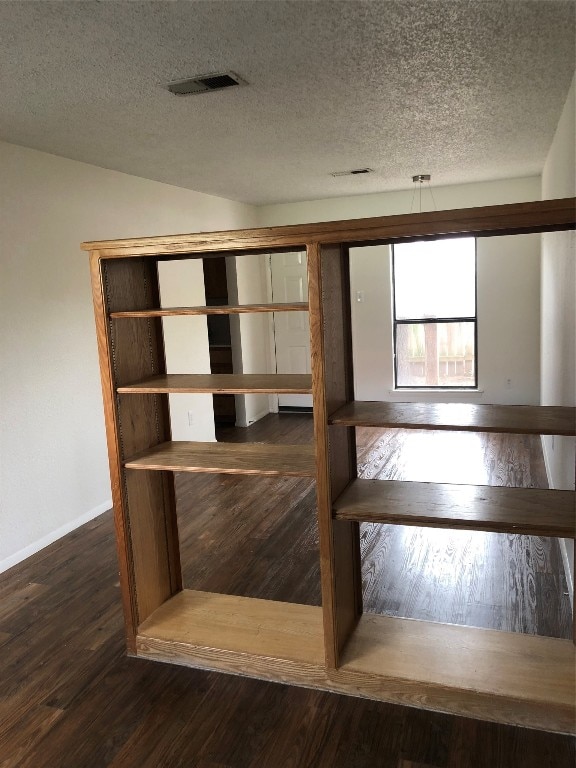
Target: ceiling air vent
(355,172)
(214,82)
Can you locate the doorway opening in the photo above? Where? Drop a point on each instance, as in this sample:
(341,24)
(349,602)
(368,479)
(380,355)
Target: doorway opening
(290,330)
(219,337)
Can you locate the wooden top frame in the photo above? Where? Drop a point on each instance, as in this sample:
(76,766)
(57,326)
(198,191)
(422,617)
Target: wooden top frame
(516,218)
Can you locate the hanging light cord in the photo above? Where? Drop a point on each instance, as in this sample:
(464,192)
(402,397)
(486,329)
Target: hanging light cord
(432,195)
(413,196)
(418,180)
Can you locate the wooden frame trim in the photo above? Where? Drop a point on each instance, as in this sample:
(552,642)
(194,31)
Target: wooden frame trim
(123,543)
(335,453)
(144,530)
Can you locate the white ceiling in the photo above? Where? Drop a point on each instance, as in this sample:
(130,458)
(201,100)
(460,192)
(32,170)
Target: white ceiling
(466,90)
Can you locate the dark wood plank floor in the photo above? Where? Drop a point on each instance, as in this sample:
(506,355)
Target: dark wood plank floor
(70,698)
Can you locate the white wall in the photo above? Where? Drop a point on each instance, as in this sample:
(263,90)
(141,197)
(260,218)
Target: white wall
(508,291)
(250,332)
(558,306)
(508,324)
(186,347)
(53,465)
(390,203)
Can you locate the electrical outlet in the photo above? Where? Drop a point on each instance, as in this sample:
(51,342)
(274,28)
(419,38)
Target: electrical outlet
(190,418)
(508,383)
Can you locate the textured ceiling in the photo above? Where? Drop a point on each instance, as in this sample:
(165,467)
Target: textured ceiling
(464,90)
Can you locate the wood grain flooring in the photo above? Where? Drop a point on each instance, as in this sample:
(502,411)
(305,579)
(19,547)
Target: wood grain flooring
(70,698)
(492,580)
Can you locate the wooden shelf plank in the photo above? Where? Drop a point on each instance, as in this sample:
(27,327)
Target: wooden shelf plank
(241,624)
(498,676)
(230,383)
(228,458)
(530,511)
(460,417)
(517,673)
(223,309)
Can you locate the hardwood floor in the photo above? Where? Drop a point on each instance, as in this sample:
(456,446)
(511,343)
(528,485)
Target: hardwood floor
(70,698)
(497,581)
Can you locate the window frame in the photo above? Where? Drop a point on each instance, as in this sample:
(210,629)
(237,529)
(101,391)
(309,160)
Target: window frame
(437,320)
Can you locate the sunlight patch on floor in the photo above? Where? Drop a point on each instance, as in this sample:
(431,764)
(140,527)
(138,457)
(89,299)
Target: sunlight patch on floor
(456,457)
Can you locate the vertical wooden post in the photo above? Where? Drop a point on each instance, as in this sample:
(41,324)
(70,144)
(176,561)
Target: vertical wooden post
(431,365)
(144,504)
(332,385)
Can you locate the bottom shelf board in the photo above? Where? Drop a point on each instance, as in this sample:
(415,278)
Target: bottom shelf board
(498,676)
(240,625)
(519,679)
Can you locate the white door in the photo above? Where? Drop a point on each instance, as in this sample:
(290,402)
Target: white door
(291,329)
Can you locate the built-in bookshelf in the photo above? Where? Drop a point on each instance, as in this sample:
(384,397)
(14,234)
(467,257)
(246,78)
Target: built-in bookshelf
(499,676)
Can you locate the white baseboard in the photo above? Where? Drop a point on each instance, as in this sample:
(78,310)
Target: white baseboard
(247,423)
(53,536)
(259,415)
(546,462)
(561,542)
(567,570)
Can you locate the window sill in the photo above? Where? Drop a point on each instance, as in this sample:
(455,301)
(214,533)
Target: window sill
(438,394)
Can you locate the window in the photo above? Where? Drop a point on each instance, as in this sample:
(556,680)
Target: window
(435,328)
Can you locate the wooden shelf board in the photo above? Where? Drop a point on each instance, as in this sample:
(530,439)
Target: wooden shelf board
(239,624)
(497,676)
(530,511)
(228,458)
(229,383)
(522,679)
(462,417)
(223,309)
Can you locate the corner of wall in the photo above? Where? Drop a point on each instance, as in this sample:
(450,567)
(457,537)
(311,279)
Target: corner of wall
(558,384)
(50,538)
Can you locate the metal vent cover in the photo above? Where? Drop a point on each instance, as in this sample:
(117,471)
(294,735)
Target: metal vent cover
(354,172)
(215,81)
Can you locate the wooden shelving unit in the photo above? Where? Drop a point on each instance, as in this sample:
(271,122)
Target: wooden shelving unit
(499,676)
